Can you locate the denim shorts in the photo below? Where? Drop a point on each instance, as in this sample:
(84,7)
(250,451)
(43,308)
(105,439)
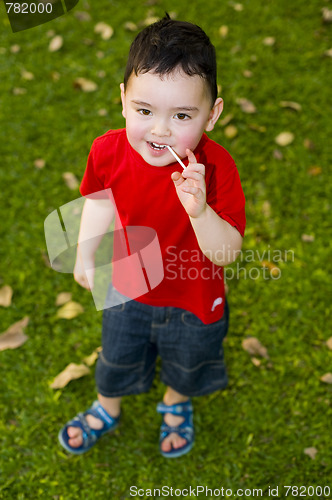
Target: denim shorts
(134,334)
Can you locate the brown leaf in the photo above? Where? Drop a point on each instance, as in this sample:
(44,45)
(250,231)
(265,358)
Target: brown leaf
(284,138)
(327,15)
(291,104)
(14,336)
(309,238)
(92,358)
(19,91)
(70,310)
(6,293)
(14,49)
(104,30)
(81,15)
(274,270)
(329,343)
(27,75)
(223,31)
(129,26)
(85,85)
(277,154)
(311,452)
(247,73)
(71,372)
(246,105)
(39,163)
(258,128)
(328,53)
(315,170)
(269,41)
(308,144)
(256,361)
(238,7)
(253,346)
(150,20)
(266,209)
(56,43)
(63,298)
(225,121)
(327,378)
(230,131)
(70,180)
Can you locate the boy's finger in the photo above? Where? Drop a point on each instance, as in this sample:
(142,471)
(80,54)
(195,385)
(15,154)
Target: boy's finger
(177,178)
(191,156)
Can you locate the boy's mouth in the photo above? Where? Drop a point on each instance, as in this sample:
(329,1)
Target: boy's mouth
(157,147)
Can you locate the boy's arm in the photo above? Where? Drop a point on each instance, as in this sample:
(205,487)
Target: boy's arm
(219,241)
(97,216)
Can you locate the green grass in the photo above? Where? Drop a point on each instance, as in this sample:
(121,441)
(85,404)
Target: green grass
(253,434)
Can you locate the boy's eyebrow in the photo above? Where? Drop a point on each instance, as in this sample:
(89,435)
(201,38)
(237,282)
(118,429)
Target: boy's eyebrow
(177,108)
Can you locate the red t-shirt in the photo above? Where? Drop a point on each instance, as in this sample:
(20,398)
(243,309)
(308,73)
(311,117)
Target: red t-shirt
(145,195)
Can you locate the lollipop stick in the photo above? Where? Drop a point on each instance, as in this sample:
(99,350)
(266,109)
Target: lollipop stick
(176,156)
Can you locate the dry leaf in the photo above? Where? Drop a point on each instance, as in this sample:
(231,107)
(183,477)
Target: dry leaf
(253,346)
(92,358)
(130,26)
(223,31)
(71,372)
(256,361)
(39,163)
(81,15)
(247,73)
(315,170)
(327,378)
(150,20)
(311,452)
(327,15)
(19,91)
(70,310)
(225,121)
(6,293)
(277,154)
(329,343)
(70,180)
(104,30)
(100,54)
(14,49)
(85,85)
(308,144)
(291,104)
(284,138)
(266,209)
(238,7)
(63,298)
(274,270)
(308,238)
(258,128)
(55,44)
(14,336)
(328,53)
(27,75)
(246,105)
(102,112)
(269,41)
(230,131)
(50,33)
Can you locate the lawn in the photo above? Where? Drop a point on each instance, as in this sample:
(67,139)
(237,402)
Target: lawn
(271,427)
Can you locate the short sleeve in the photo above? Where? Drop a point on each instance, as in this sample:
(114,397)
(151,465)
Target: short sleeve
(91,182)
(225,195)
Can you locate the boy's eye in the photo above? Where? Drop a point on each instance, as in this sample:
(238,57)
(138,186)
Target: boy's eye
(182,116)
(144,112)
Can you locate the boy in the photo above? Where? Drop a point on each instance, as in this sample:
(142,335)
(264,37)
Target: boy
(169,98)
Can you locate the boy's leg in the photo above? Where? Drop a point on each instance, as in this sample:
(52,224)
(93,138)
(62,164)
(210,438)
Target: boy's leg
(171,397)
(111,405)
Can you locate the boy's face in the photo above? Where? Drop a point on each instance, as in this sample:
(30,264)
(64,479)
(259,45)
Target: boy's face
(173,110)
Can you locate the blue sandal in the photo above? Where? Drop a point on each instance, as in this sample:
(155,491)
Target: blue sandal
(90,436)
(185,429)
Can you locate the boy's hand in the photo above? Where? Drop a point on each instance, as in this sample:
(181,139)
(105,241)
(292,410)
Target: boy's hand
(190,186)
(84,277)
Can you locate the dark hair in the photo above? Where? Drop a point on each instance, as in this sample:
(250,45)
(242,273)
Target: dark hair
(168,44)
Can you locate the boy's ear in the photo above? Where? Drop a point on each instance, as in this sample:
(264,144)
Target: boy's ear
(214,114)
(123,100)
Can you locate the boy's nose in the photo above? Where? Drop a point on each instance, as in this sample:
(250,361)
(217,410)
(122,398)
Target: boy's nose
(160,128)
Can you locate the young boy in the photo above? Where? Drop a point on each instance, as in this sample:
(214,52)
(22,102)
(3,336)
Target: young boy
(169,98)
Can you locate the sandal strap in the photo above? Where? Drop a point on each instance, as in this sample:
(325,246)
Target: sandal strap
(98,411)
(177,409)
